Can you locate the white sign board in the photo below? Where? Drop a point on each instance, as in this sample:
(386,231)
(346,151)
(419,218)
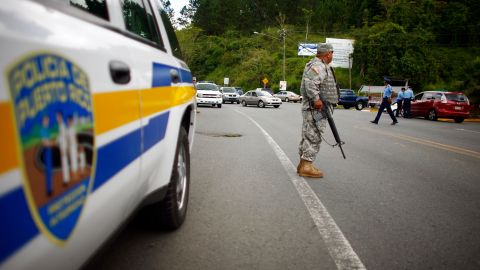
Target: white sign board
(283,85)
(342,49)
(307,49)
(226,81)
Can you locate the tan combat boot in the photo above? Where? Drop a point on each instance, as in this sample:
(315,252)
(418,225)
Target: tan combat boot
(300,164)
(307,169)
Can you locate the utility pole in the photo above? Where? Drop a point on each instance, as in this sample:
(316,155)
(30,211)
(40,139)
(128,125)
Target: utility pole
(283,36)
(350,69)
(281,21)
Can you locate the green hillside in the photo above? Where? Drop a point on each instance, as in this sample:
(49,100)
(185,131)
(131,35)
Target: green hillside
(435,44)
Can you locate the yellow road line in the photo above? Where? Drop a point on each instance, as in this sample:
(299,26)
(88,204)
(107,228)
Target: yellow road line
(433,144)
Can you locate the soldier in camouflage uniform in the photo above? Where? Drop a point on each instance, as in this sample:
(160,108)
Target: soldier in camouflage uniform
(318,80)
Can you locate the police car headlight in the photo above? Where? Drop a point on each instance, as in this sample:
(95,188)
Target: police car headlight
(199,95)
(219,96)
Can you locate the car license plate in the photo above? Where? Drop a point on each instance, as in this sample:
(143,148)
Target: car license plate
(458,108)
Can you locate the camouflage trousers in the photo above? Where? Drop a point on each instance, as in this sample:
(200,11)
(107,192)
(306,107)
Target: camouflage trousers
(311,139)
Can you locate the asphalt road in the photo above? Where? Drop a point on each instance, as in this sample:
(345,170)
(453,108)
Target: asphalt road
(406,197)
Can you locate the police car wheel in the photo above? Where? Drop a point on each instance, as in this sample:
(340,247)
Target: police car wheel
(173,208)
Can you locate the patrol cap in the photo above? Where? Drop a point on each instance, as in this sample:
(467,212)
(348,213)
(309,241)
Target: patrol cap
(324,48)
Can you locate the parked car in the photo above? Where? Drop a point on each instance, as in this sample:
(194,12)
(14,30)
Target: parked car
(229,94)
(288,96)
(209,94)
(260,98)
(97,111)
(437,104)
(349,99)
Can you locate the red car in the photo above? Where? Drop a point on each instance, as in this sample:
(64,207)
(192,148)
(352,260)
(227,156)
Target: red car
(436,104)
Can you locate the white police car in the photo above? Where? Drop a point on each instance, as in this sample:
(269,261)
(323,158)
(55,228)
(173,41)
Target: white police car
(97,116)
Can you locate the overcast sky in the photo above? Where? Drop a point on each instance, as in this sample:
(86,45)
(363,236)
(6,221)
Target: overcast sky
(177,5)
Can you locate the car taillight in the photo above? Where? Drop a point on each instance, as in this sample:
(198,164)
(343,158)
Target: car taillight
(443,99)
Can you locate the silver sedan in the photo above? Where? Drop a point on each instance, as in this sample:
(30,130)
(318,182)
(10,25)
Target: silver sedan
(260,98)
(288,96)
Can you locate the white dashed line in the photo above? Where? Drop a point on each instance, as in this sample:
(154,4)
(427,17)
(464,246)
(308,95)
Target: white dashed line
(462,129)
(336,243)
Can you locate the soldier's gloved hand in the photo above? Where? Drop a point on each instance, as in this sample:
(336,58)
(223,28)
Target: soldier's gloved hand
(318,104)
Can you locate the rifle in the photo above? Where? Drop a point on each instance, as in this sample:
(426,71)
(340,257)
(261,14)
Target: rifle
(327,114)
(331,123)
(330,118)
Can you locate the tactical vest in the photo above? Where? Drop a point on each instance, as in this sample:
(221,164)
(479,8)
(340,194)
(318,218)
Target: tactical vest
(328,87)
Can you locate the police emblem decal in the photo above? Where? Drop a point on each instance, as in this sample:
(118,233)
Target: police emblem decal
(52,105)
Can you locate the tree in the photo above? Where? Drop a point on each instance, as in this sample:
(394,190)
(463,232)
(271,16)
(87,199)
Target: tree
(387,49)
(187,13)
(168,9)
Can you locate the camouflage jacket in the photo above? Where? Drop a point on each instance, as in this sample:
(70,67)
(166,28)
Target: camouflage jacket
(318,79)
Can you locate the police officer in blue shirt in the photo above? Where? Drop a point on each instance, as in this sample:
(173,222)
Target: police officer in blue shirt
(400,101)
(386,101)
(407,98)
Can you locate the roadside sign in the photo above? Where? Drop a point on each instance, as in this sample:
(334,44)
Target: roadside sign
(307,49)
(226,81)
(283,85)
(265,81)
(343,48)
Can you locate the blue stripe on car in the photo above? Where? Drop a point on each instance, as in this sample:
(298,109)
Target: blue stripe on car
(17,226)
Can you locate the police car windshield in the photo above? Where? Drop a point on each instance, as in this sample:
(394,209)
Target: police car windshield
(229,90)
(207,86)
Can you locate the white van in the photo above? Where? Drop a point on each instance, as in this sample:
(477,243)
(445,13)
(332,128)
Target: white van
(97,117)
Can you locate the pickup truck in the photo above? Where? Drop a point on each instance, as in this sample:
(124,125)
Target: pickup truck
(348,99)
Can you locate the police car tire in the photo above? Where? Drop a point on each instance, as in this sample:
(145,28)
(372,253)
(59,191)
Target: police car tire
(171,214)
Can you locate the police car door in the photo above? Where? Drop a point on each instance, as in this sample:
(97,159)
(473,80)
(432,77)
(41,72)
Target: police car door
(70,117)
(159,76)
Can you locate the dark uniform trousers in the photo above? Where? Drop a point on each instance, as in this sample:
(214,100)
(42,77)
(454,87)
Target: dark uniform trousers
(406,108)
(385,104)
